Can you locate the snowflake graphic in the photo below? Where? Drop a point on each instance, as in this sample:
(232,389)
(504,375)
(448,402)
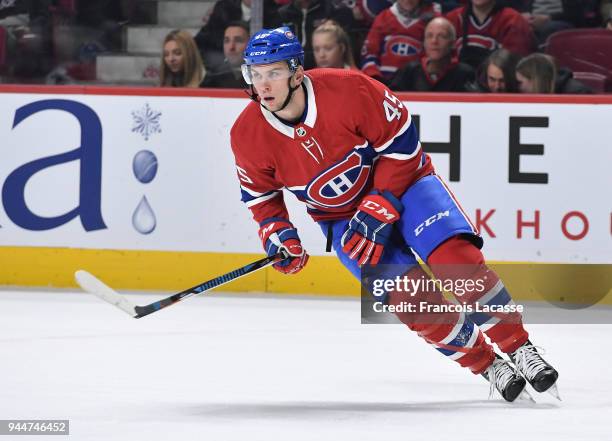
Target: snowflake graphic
(146,121)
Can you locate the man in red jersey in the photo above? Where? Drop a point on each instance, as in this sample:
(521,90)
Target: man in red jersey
(486,25)
(344,145)
(396,37)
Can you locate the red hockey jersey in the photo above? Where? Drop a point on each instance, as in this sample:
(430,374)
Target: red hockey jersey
(505,27)
(395,40)
(355,135)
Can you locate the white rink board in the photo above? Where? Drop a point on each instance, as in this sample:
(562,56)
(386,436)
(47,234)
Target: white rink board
(195,197)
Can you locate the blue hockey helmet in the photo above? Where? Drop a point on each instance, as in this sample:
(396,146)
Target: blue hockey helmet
(271,45)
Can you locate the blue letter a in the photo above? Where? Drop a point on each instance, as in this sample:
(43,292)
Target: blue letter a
(90,156)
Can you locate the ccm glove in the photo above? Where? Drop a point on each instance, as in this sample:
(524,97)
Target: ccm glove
(279,234)
(370,228)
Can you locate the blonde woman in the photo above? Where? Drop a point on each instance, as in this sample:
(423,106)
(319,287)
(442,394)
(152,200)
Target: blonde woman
(181,63)
(332,47)
(536,73)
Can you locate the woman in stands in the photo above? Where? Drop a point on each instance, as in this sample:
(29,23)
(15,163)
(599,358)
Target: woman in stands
(497,72)
(332,47)
(538,73)
(181,63)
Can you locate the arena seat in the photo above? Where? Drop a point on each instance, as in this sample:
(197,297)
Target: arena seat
(597,82)
(582,50)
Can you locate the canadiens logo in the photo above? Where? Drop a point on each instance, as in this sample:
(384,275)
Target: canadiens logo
(481,41)
(403,46)
(340,184)
(301,131)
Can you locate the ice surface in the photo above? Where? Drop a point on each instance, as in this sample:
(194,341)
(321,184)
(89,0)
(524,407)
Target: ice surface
(244,368)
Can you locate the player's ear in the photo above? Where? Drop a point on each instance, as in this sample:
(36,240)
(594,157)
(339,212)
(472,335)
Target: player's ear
(298,76)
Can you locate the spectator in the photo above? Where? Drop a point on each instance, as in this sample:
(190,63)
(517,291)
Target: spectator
(27,29)
(229,74)
(483,26)
(104,19)
(396,37)
(367,10)
(606,13)
(549,16)
(437,70)
(303,16)
(497,73)
(537,73)
(210,37)
(332,47)
(181,63)
(14,13)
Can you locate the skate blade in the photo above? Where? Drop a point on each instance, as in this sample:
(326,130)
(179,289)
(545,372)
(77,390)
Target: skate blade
(554,392)
(526,396)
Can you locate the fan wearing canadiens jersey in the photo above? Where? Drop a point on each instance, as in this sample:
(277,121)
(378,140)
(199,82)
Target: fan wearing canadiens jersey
(484,26)
(396,37)
(346,147)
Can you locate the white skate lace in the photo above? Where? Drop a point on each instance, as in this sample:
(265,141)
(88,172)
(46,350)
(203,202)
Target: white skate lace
(499,374)
(528,361)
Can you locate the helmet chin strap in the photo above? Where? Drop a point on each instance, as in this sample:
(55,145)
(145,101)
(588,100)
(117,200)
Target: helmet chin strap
(289,95)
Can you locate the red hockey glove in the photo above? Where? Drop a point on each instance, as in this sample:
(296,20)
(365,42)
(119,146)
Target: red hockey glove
(370,228)
(278,233)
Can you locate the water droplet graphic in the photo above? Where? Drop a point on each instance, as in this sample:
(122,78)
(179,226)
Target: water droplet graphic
(143,218)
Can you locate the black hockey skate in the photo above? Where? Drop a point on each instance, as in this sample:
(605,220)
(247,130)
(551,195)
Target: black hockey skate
(508,382)
(540,374)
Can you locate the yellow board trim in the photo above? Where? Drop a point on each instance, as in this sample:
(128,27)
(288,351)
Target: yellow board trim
(324,275)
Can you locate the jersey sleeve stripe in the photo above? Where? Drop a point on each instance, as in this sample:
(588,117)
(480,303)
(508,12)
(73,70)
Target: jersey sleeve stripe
(400,132)
(406,142)
(254,201)
(253,193)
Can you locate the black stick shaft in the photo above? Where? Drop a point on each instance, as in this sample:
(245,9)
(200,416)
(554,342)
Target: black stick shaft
(142,311)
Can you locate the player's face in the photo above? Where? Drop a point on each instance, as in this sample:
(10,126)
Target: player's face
(234,42)
(327,51)
(438,43)
(495,79)
(525,85)
(270,82)
(173,56)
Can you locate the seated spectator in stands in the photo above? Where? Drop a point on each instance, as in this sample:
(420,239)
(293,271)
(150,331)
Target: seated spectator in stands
(181,64)
(483,26)
(105,20)
(437,70)
(497,73)
(210,37)
(606,13)
(332,47)
(396,37)
(27,30)
(304,16)
(537,73)
(549,16)
(229,74)
(366,11)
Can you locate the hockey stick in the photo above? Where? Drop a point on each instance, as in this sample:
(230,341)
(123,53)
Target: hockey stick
(96,287)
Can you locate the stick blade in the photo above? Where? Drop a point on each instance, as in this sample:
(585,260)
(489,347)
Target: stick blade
(95,286)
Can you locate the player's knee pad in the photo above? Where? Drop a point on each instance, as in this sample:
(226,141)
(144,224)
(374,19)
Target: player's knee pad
(432,216)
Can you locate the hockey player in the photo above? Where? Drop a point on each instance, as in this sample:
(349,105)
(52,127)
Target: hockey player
(344,145)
